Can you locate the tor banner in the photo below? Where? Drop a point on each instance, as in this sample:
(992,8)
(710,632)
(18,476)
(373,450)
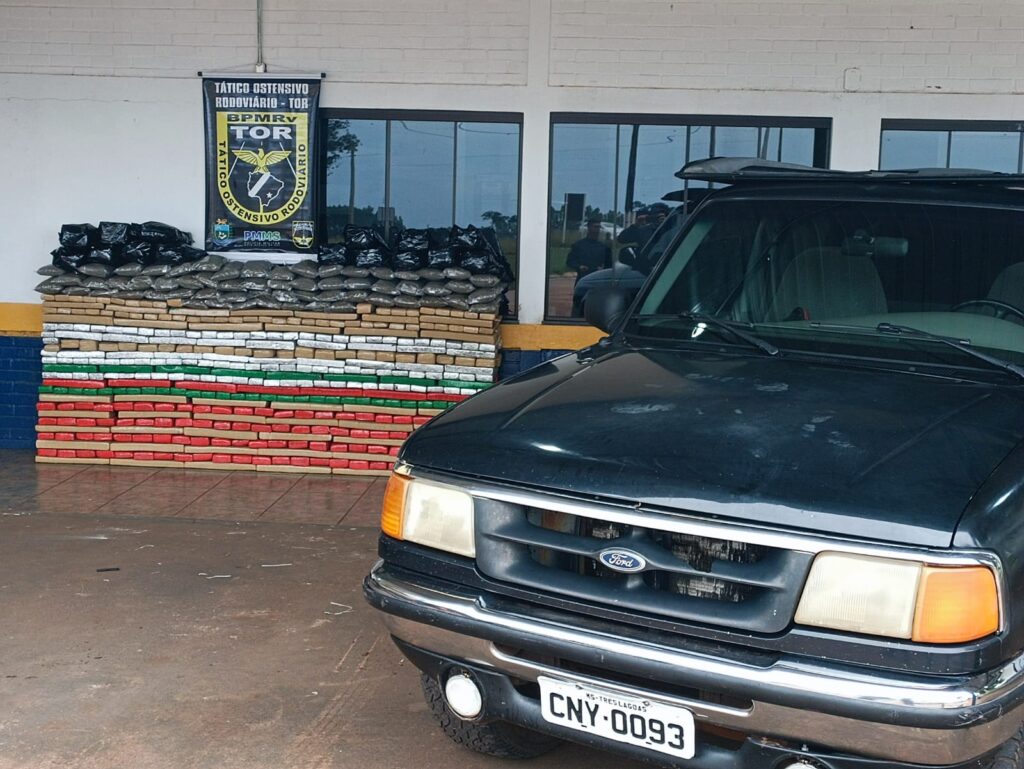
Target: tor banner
(259,163)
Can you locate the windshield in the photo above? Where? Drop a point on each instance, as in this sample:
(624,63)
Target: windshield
(838,276)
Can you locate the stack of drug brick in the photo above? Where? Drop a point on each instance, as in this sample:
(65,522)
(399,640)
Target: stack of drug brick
(135,382)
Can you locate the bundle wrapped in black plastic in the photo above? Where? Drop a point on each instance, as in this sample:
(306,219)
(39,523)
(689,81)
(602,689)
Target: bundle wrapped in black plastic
(369,257)
(79,236)
(118,233)
(142,252)
(414,245)
(164,234)
(363,238)
(478,251)
(366,247)
(333,255)
(76,258)
(440,258)
(68,257)
(111,256)
(179,254)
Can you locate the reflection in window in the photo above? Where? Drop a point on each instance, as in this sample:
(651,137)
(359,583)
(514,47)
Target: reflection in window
(914,149)
(487,181)
(927,144)
(614,176)
(355,174)
(422,173)
(991,150)
(398,174)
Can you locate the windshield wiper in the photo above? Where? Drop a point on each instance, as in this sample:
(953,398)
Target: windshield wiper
(963,345)
(723,325)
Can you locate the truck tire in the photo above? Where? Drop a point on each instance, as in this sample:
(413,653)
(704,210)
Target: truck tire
(1011,754)
(495,738)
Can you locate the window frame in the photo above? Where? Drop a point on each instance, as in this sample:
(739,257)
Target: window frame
(822,152)
(440,116)
(948,127)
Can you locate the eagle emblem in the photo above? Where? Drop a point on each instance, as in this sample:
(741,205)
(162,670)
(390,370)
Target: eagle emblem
(262,185)
(262,160)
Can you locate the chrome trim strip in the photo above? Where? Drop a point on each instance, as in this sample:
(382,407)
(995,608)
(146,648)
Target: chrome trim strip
(784,676)
(686,523)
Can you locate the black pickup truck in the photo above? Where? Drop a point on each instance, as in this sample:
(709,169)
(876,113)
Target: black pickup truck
(774,520)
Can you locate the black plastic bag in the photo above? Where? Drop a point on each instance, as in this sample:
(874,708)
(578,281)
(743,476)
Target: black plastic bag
(440,258)
(175,255)
(118,233)
(69,258)
(333,255)
(464,238)
(414,240)
(142,252)
(408,260)
(481,264)
(363,238)
(112,256)
(80,236)
(478,251)
(370,257)
(165,234)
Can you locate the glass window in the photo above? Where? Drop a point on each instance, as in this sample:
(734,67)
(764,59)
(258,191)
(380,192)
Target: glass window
(914,149)
(615,176)
(395,174)
(355,169)
(797,145)
(985,146)
(737,142)
(423,173)
(487,181)
(991,150)
(583,187)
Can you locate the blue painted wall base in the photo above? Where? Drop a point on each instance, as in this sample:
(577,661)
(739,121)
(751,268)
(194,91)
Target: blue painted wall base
(516,361)
(21,373)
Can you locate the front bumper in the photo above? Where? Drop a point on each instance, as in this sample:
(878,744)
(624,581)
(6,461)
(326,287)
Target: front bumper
(915,720)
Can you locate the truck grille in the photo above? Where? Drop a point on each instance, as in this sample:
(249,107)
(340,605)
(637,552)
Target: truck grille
(715,581)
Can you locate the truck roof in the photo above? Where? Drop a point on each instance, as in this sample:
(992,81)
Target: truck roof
(757,171)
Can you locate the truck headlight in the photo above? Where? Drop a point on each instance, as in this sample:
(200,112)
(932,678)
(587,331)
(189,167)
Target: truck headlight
(428,513)
(900,599)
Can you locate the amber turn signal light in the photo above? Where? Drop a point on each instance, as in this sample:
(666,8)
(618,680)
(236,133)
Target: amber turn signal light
(955,605)
(393,509)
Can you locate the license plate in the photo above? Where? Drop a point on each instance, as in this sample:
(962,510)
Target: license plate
(630,719)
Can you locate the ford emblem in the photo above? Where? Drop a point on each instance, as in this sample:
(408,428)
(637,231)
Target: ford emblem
(622,560)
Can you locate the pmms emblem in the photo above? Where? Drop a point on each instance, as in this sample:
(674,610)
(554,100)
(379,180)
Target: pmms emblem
(263,164)
(626,561)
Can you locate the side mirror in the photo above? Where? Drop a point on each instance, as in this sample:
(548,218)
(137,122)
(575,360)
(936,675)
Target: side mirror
(605,307)
(628,256)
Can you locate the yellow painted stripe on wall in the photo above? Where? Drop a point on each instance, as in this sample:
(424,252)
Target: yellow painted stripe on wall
(527,336)
(21,319)
(25,319)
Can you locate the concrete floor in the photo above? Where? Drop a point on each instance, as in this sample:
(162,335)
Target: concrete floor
(202,620)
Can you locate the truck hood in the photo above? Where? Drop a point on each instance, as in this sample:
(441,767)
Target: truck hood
(866,453)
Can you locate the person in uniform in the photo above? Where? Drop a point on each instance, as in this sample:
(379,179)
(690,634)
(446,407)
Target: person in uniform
(589,253)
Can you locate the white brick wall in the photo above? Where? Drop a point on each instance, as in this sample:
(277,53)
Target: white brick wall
(401,41)
(376,41)
(813,45)
(163,38)
(888,46)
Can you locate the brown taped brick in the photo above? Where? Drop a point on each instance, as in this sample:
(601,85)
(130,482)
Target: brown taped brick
(72,461)
(227,326)
(291,469)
